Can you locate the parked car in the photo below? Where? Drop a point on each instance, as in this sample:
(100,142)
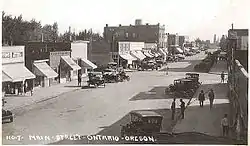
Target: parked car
(146,65)
(142,123)
(7,116)
(96,79)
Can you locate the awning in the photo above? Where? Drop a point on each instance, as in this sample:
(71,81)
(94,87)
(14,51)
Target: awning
(43,69)
(128,57)
(162,52)
(141,54)
(70,63)
(88,64)
(148,55)
(5,77)
(137,55)
(17,72)
(179,50)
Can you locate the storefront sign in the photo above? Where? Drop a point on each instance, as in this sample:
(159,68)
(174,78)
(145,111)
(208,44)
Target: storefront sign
(55,57)
(12,54)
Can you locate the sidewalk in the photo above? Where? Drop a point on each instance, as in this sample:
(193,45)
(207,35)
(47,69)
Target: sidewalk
(41,94)
(204,120)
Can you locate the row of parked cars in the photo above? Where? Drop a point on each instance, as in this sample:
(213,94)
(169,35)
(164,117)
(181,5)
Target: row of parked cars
(111,74)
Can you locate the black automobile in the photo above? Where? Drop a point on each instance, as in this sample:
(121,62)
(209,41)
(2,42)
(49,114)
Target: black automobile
(96,79)
(7,116)
(142,123)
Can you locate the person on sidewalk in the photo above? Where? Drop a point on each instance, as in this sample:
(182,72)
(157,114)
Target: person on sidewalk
(222,77)
(211,98)
(225,125)
(182,108)
(201,98)
(167,70)
(79,79)
(173,109)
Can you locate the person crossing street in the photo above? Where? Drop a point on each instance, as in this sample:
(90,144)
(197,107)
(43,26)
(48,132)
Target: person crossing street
(173,109)
(182,108)
(211,98)
(201,98)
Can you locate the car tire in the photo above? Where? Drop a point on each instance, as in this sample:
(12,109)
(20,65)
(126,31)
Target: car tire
(11,119)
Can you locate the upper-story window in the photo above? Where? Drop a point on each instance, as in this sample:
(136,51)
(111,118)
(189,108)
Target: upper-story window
(126,35)
(134,35)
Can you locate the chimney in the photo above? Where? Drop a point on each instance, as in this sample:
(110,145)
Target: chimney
(130,25)
(232,26)
(107,25)
(146,23)
(120,25)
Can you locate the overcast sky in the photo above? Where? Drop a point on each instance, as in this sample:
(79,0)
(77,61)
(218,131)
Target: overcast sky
(196,18)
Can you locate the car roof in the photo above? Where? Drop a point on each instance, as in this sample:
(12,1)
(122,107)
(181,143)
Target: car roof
(96,73)
(183,79)
(146,113)
(192,74)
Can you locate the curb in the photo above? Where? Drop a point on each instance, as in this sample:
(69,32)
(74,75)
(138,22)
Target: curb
(16,109)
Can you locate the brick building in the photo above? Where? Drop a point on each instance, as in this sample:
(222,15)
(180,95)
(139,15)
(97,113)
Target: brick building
(135,33)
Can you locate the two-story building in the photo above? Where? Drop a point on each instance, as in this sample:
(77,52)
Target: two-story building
(14,73)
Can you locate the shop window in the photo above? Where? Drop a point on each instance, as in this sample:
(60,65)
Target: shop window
(126,35)
(134,35)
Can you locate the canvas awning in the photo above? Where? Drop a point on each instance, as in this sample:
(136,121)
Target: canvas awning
(43,69)
(17,72)
(5,77)
(162,52)
(137,55)
(70,63)
(141,54)
(88,64)
(179,50)
(128,57)
(148,55)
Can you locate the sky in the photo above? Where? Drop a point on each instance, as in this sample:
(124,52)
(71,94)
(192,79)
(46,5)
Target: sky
(194,18)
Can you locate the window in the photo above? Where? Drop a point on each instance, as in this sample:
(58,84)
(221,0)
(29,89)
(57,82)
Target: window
(126,35)
(134,35)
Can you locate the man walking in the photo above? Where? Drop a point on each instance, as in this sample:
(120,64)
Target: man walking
(201,98)
(79,79)
(173,109)
(167,70)
(222,77)
(211,98)
(225,126)
(182,108)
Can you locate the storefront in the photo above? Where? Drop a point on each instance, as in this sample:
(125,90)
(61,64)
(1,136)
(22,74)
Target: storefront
(45,75)
(126,60)
(67,68)
(14,73)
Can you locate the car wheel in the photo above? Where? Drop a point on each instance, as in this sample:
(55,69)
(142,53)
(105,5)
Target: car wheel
(11,119)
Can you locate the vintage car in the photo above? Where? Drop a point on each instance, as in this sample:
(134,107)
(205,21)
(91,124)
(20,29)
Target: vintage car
(193,76)
(159,62)
(110,76)
(123,76)
(145,65)
(142,123)
(7,116)
(181,86)
(96,79)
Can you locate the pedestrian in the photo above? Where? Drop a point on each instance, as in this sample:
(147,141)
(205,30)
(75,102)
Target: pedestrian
(222,76)
(79,80)
(225,125)
(182,108)
(31,90)
(201,98)
(211,98)
(173,109)
(167,70)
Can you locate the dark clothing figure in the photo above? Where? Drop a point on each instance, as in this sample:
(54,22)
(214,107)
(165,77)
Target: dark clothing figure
(79,80)
(201,98)
(222,77)
(211,98)
(173,109)
(225,125)
(182,108)
(167,70)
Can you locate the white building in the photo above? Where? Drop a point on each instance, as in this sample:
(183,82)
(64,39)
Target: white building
(80,55)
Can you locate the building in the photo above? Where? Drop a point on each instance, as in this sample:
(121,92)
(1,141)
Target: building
(14,73)
(50,53)
(99,52)
(80,55)
(242,46)
(135,33)
(214,38)
(181,41)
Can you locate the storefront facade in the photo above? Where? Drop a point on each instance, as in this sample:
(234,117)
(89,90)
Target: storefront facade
(80,55)
(16,77)
(125,59)
(64,65)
